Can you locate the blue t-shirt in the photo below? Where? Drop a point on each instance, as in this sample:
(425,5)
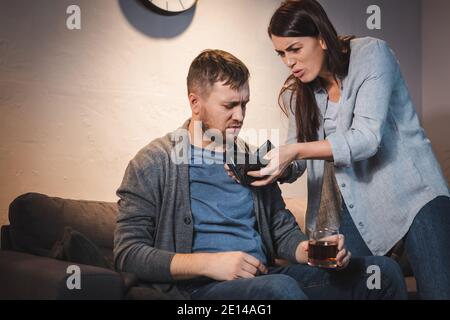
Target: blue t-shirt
(222,209)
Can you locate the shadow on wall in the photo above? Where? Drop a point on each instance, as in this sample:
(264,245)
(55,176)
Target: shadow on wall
(153,24)
(437,130)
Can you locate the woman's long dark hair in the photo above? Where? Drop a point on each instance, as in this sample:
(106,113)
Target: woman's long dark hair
(307,18)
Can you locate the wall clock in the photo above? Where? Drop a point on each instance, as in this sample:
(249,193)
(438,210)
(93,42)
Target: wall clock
(169,7)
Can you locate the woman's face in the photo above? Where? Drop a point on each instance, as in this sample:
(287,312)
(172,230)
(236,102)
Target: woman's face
(305,56)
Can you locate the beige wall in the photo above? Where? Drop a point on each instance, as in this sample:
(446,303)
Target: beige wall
(436,78)
(77,105)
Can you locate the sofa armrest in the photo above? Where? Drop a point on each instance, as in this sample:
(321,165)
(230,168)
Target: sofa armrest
(5,242)
(26,276)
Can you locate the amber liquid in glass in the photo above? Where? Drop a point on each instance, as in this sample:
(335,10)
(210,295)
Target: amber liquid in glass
(322,254)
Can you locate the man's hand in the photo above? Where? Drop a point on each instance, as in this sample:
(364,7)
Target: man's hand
(230,173)
(302,252)
(342,258)
(219,266)
(224,266)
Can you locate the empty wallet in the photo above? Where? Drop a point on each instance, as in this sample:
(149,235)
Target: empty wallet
(241,163)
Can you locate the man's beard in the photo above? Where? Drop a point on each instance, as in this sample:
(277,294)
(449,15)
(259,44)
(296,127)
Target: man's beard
(211,134)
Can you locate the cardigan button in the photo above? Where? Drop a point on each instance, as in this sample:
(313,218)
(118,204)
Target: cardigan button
(351,206)
(187,220)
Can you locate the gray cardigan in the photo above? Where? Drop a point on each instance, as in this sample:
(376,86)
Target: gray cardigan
(155,218)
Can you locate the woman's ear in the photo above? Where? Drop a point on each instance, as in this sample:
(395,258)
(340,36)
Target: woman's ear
(323,44)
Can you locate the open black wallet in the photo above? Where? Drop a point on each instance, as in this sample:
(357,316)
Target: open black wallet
(242,162)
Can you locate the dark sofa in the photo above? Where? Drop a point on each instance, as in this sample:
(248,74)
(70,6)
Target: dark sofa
(37,222)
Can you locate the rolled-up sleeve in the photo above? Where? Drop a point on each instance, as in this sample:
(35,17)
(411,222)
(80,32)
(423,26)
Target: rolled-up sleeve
(362,140)
(298,167)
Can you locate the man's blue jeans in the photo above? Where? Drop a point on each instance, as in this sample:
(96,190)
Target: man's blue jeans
(427,246)
(300,282)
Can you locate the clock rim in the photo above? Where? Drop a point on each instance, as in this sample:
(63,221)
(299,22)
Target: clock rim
(161,11)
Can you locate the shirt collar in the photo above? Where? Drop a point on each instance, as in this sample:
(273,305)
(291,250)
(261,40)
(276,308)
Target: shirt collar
(319,89)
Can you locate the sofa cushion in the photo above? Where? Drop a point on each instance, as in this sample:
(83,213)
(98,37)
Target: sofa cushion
(37,221)
(76,247)
(26,276)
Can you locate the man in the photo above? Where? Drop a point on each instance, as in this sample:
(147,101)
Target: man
(189,229)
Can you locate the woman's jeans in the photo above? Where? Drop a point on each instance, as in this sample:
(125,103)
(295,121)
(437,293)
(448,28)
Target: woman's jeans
(301,282)
(427,246)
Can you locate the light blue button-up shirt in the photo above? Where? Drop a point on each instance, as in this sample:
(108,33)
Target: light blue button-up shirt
(384,164)
(330,117)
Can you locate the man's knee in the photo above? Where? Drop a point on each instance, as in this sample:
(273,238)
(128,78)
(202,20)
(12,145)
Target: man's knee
(388,267)
(281,287)
(390,273)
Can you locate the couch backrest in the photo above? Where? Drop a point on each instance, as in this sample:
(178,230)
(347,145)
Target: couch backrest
(37,221)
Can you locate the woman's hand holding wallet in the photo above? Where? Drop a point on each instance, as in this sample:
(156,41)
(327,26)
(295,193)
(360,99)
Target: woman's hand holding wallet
(279,161)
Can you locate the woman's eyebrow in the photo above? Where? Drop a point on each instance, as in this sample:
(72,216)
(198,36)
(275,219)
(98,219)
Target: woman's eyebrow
(288,48)
(293,44)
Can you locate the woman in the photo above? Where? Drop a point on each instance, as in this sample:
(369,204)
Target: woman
(348,104)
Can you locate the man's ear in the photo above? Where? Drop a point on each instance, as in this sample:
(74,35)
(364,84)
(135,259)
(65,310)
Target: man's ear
(195,102)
